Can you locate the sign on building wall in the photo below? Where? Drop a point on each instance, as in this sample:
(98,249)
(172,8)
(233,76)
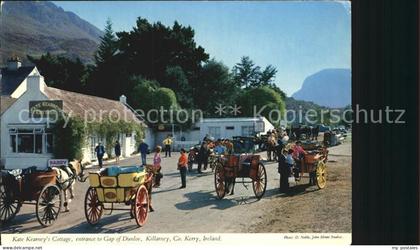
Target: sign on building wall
(58,162)
(42,109)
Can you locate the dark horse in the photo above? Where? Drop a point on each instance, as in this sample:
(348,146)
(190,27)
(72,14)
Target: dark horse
(296,133)
(315,132)
(309,132)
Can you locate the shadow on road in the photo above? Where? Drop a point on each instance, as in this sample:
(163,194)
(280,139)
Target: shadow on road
(202,199)
(190,173)
(85,227)
(159,190)
(293,191)
(17,224)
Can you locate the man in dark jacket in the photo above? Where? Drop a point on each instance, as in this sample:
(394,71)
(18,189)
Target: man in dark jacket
(143,150)
(117,150)
(100,151)
(284,171)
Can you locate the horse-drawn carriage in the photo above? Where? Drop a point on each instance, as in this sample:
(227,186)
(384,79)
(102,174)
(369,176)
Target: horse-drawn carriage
(230,167)
(313,165)
(129,187)
(31,187)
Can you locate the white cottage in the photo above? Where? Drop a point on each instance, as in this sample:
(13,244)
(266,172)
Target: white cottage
(216,128)
(237,126)
(26,140)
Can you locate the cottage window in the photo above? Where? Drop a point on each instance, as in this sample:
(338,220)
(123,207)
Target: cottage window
(25,141)
(13,143)
(215,132)
(30,141)
(49,143)
(248,130)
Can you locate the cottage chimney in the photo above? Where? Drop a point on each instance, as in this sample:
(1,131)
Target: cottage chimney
(14,63)
(123,99)
(35,83)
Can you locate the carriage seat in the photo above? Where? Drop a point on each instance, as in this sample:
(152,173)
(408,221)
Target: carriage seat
(116,170)
(18,172)
(27,171)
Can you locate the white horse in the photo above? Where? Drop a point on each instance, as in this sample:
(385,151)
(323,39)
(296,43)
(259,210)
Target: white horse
(66,178)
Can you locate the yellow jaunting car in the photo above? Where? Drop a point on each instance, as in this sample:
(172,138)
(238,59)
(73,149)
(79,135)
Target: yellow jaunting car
(127,188)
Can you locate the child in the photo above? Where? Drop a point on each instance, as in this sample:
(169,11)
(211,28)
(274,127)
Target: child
(289,160)
(219,149)
(182,167)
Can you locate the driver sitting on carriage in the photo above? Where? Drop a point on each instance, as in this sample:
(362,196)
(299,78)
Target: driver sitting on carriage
(219,149)
(299,156)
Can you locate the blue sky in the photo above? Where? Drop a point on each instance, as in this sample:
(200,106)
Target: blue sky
(298,38)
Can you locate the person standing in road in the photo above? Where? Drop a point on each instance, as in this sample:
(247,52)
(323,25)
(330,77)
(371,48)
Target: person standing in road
(143,150)
(157,167)
(155,171)
(167,143)
(100,151)
(117,150)
(284,171)
(270,146)
(182,167)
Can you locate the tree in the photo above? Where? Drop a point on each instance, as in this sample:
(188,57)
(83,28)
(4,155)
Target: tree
(149,49)
(214,86)
(165,98)
(267,76)
(245,73)
(108,46)
(176,80)
(62,73)
(264,101)
(147,96)
(278,90)
(109,77)
(142,94)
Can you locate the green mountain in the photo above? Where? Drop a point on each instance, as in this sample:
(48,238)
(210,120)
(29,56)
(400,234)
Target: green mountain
(37,27)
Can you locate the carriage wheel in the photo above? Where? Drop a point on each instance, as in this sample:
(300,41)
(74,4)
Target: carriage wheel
(9,207)
(93,208)
(321,175)
(141,207)
(48,205)
(260,183)
(213,166)
(219,181)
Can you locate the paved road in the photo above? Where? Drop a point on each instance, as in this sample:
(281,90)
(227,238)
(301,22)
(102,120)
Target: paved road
(191,210)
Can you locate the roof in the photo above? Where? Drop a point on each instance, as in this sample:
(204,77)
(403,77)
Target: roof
(10,79)
(90,107)
(233,119)
(5,103)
